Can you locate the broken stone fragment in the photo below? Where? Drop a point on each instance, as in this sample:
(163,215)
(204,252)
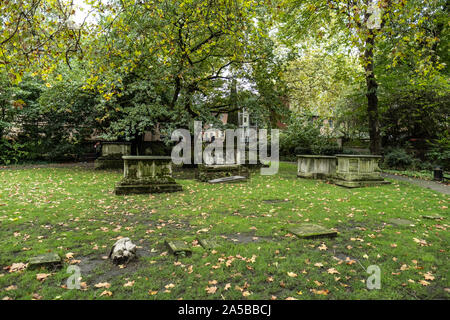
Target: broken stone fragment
(122,251)
(48,260)
(178,248)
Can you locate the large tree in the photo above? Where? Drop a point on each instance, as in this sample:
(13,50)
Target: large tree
(362,24)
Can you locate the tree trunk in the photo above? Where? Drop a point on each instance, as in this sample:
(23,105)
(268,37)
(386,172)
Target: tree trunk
(372,99)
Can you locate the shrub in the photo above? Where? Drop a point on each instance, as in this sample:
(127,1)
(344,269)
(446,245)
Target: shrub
(439,152)
(397,158)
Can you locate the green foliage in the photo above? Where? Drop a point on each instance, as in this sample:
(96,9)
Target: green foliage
(397,158)
(303,136)
(12,153)
(40,122)
(440,151)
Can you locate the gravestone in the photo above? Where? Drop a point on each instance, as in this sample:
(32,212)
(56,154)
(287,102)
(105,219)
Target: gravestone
(112,153)
(358,171)
(228,179)
(212,172)
(48,260)
(178,248)
(208,243)
(147,174)
(312,231)
(316,167)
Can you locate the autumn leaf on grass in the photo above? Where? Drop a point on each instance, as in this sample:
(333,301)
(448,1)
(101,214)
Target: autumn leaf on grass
(246,294)
(152,292)
(129,284)
(11,287)
(102,285)
(227,286)
(169,286)
(106,293)
(421,242)
(42,276)
(35,296)
(321,292)
(428,276)
(332,271)
(318,265)
(69,255)
(211,290)
(322,247)
(292,274)
(17,267)
(424,283)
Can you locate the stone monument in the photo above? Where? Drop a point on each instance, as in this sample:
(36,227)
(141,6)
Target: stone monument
(147,174)
(358,171)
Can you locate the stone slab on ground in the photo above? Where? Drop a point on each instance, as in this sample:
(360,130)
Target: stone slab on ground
(178,248)
(228,179)
(147,188)
(212,172)
(275,200)
(208,243)
(401,222)
(433,217)
(52,260)
(311,231)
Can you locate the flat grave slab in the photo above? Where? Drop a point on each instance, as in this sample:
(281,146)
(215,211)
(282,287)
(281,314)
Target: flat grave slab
(400,222)
(178,248)
(228,179)
(208,243)
(312,231)
(52,260)
(275,200)
(433,217)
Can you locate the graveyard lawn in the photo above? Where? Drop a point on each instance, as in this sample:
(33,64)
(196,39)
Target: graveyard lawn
(74,212)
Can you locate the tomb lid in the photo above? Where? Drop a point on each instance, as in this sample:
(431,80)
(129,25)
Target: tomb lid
(146,158)
(358,156)
(315,156)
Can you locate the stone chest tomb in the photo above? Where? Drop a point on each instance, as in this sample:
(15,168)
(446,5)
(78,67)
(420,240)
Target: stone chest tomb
(147,174)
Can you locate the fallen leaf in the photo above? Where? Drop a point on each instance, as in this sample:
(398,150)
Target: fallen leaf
(211,290)
(42,276)
(129,284)
(332,271)
(106,293)
(102,285)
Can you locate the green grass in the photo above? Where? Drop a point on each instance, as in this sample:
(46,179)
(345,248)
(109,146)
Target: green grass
(74,210)
(422,174)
